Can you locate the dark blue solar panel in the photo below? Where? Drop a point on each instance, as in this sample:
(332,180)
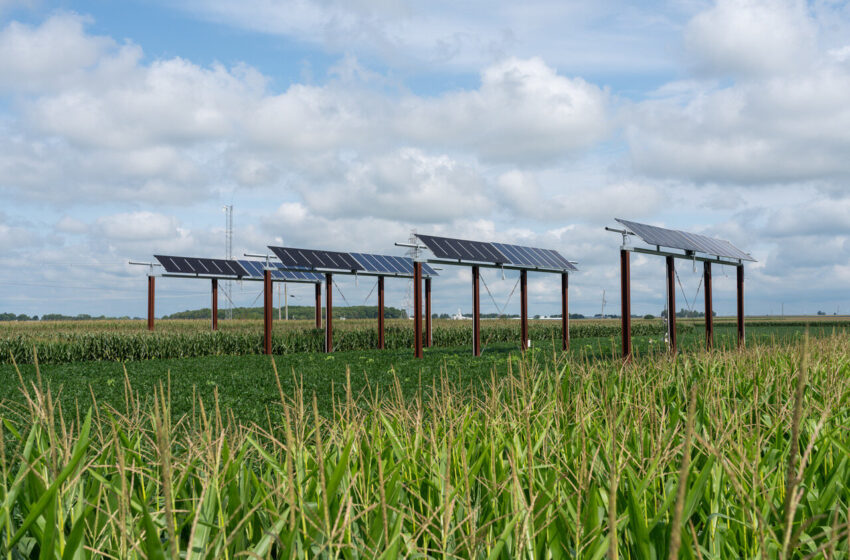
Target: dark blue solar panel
(255,271)
(204,266)
(390,265)
(311,258)
(463,249)
(534,257)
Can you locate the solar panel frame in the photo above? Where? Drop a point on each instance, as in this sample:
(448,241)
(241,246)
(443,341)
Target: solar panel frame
(389,265)
(255,271)
(686,241)
(201,266)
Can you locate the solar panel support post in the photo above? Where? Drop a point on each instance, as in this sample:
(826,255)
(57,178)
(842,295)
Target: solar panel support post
(427,312)
(523,309)
(741,339)
(476,313)
(709,312)
(417,310)
(380,312)
(214,306)
(329,329)
(318,305)
(151,291)
(626,304)
(267,312)
(565,311)
(671,302)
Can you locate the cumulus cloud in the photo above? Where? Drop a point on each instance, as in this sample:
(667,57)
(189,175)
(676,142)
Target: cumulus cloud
(745,37)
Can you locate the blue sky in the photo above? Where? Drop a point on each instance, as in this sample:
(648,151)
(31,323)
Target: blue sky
(125,126)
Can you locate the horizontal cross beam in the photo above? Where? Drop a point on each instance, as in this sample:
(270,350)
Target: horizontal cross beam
(683,256)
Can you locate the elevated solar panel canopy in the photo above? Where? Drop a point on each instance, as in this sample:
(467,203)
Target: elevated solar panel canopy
(367,264)
(201,267)
(689,242)
(256,269)
(503,255)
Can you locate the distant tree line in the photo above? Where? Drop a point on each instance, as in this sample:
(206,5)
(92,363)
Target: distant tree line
(295,312)
(57,317)
(687,314)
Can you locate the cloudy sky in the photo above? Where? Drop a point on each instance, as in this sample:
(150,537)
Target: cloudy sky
(346,124)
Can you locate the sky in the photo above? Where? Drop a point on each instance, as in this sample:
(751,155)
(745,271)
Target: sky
(125,127)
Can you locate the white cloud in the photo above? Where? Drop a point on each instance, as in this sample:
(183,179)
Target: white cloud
(745,37)
(47,56)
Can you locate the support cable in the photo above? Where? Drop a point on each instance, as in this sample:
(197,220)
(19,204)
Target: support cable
(342,295)
(366,299)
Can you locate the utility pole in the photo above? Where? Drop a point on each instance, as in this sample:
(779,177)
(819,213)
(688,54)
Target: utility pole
(286,299)
(278,301)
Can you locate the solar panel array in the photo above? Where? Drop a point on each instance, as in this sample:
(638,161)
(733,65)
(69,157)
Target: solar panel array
(463,250)
(255,271)
(387,264)
(533,257)
(676,239)
(311,259)
(207,267)
(496,253)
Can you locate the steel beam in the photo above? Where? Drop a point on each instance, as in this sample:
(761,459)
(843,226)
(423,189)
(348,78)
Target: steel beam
(427,312)
(709,312)
(671,302)
(214,307)
(455,262)
(380,312)
(318,305)
(476,313)
(267,312)
(565,311)
(741,333)
(682,256)
(626,304)
(417,310)
(329,313)
(523,309)
(151,292)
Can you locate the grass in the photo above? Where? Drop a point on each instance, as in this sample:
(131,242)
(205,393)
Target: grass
(705,455)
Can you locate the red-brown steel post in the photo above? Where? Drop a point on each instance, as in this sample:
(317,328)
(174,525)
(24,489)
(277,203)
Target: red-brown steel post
(267,312)
(565,311)
(214,307)
(626,304)
(428,312)
(318,305)
(523,309)
(476,313)
(329,311)
(741,339)
(709,312)
(151,291)
(671,302)
(380,312)
(417,310)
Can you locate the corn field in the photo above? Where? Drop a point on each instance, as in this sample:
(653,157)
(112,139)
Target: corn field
(723,455)
(126,340)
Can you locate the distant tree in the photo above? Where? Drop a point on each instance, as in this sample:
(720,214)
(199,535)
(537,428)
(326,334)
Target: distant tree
(821,313)
(649,316)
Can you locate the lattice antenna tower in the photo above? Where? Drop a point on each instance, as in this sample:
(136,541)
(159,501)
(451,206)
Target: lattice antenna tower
(228,247)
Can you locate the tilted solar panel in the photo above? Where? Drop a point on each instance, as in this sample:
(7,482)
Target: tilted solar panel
(685,241)
(390,265)
(200,266)
(534,257)
(463,249)
(255,271)
(311,259)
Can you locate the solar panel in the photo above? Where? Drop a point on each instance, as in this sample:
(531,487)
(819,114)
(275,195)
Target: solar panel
(686,241)
(255,271)
(534,257)
(463,250)
(194,265)
(311,258)
(388,264)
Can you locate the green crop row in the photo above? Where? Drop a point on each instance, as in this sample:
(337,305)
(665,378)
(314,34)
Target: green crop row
(67,347)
